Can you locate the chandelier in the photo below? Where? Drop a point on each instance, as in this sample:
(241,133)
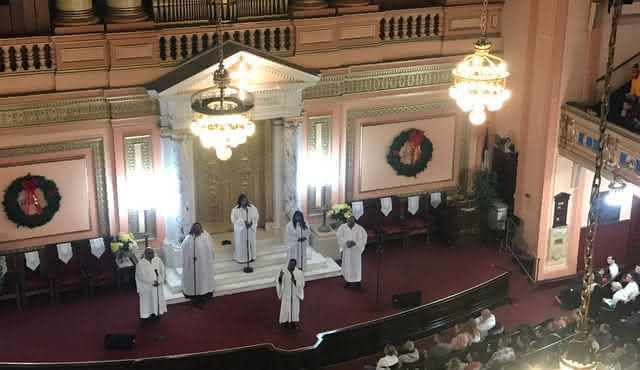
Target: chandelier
(617,194)
(480,79)
(579,354)
(220,112)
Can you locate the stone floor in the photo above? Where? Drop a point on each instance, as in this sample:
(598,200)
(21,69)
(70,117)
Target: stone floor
(230,279)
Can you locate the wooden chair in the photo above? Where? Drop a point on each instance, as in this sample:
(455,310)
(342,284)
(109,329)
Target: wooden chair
(421,222)
(68,277)
(367,221)
(100,271)
(34,282)
(392,226)
(10,289)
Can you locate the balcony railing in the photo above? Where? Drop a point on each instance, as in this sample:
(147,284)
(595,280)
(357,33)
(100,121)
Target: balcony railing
(205,11)
(32,56)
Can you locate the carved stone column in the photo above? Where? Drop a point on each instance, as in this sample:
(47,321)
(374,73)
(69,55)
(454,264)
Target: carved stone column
(125,11)
(71,13)
(277,132)
(308,4)
(344,3)
(290,164)
(354,6)
(178,210)
(310,8)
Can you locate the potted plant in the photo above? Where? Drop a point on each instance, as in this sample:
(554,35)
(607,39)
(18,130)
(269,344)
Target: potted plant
(485,192)
(340,212)
(124,246)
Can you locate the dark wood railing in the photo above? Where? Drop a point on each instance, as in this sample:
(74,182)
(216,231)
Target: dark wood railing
(205,11)
(332,346)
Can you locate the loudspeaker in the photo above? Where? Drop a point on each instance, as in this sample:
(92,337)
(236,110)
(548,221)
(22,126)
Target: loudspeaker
(119,341)
(406,300)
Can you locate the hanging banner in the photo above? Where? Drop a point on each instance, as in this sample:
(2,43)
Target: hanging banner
(386,206)
(32,260)
(97,247)
(64,252)
(413,204)
(358,209)
(435,199)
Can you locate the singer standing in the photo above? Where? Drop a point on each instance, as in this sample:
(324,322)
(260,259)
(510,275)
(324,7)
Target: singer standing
(296,239)
(244,217)
(198,269)
(290,290)
(150,283)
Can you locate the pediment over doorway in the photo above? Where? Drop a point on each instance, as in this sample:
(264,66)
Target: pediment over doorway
(277,84)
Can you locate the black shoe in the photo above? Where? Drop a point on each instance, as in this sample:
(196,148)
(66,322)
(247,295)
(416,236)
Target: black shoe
(293,325)
(347,285)
(358,285)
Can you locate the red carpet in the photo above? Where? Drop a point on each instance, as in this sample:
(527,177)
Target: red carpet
(74,330)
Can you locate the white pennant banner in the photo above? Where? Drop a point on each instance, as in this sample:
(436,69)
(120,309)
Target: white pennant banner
(97,247)
(64,252)
(386,206)
(436,199)
(414,204)
(32,260)
(358,209)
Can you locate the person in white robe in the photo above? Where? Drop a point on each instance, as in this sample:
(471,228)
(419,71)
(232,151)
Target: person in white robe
(244,217)
(296,239)
(351,240)
(198,269)
(150,277)
(290,290)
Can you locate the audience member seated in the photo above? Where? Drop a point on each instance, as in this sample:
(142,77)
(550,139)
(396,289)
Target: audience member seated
(455,364)
(503,354)
(626,294)
(603,335)
(409,354)
(636,274)
(485,322)
(468,334)
(546,336)
(522,343)
(606,275)
(472,361)
(570,297)
(390,359)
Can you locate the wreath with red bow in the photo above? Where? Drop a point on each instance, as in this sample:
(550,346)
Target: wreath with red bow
(31,201)
(410,152)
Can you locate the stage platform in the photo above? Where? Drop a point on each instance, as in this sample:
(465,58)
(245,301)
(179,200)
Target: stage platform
(272,255)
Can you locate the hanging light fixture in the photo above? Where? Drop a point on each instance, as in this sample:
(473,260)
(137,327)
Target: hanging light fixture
(220,112)
(480,79)
(579,354)
(617,191)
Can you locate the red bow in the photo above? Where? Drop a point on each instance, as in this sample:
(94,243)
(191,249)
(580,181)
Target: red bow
(415,139)
(29,187)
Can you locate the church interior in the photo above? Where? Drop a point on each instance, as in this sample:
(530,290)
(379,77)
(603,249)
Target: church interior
(375,184)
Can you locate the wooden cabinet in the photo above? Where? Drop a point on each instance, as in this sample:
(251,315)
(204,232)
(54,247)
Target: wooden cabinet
(24,17)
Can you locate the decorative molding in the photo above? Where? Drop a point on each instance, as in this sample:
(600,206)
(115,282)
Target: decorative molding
(97,150)
(355,115)
(132,163)
(380,80)
(80,109)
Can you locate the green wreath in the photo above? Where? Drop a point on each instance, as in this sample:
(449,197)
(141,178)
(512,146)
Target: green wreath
(29,185)
(421,155)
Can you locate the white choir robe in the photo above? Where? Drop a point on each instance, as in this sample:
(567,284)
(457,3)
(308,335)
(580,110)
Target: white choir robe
(351,257)
(204,266)
(150,295)
(290,295)
(295,249)
(238,217)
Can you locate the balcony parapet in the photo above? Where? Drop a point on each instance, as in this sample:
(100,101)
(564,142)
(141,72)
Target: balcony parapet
(578,141)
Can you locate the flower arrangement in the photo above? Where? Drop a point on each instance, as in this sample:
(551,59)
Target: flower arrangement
(124,246)
(340,212)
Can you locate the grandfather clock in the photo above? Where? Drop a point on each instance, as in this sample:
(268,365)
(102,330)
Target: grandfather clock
(561,205)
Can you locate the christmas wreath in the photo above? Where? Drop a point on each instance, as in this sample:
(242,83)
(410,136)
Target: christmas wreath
(410,152)
(31,201)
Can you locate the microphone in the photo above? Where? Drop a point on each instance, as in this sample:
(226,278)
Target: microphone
(156,270)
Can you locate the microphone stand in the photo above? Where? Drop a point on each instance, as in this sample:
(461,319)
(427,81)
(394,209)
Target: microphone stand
(247,269)
(158,295)
(300,250)
(195,286)
(379,250)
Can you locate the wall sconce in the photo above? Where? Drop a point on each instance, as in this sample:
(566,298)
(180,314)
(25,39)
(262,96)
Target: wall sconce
(319,175)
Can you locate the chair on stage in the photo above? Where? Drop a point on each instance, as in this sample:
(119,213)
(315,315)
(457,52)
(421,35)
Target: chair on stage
(68,277)
(34,282)
(10,289)
(420,223)
(367,220)
(392,226)
(101,271)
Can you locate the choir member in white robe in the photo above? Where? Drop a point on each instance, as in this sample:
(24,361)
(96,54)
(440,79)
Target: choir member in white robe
(150,283)
(290,290)
(351,240)
(198,269)
(244,217)
(296,239)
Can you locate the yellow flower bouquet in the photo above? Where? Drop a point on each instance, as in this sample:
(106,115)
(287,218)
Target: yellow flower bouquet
(340,212)
(124,245)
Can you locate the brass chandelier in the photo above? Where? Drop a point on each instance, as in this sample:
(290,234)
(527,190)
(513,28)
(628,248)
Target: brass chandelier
(579,354)
(220,112)
(480,79)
